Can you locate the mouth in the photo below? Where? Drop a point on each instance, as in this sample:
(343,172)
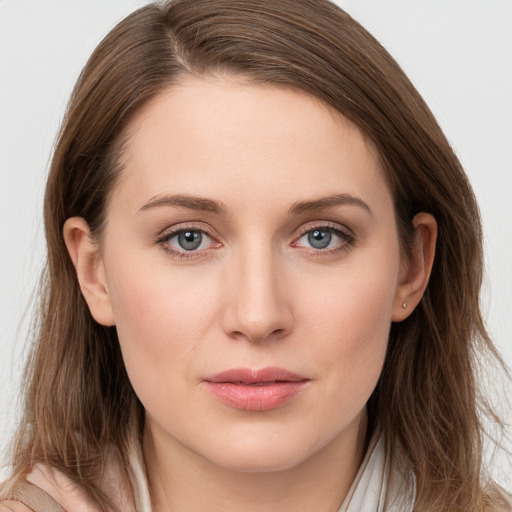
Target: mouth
(255,390)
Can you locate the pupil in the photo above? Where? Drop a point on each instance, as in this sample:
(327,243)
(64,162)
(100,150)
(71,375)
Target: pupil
(189,240)
(319,239)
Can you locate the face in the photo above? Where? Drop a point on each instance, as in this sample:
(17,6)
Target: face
(251,263)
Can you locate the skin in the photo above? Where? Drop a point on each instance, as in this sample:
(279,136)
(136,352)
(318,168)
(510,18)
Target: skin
(256,293)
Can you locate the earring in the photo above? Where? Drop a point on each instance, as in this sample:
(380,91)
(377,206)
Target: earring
(404,305)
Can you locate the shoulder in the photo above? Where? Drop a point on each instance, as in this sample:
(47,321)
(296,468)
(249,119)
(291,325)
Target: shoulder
(507,502)
(497,499)
(13,506)
(502,500)
(46,489)
(21,496)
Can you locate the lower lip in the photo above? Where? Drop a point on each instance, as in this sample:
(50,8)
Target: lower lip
(256,397)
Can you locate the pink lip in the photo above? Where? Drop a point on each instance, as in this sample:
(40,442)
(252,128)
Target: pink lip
(255,390)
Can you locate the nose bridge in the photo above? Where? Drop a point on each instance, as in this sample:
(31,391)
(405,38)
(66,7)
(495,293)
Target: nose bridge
(258,305)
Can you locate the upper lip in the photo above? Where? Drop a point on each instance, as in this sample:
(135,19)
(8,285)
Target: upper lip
(255,376)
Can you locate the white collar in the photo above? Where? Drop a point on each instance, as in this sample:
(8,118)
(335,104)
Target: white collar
(378,487)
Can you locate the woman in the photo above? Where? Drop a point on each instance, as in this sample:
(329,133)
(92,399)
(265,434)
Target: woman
(264,262)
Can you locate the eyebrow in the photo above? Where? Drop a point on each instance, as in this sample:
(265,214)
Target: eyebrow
(324,203)
(186,201)
(217,207)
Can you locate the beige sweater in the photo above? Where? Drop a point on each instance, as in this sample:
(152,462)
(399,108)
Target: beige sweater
(377,487)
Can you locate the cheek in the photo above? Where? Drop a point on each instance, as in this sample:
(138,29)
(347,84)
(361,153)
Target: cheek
(161,318)
(152,304)
(354,301)
(349,320)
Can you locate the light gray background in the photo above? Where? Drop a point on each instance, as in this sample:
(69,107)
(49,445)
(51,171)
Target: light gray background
(458,53)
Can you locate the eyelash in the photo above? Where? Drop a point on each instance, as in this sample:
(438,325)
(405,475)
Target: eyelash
(167,236)
(348,239)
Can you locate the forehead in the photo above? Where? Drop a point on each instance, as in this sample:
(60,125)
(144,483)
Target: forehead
(232,140)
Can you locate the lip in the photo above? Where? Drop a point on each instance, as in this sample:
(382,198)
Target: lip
(255,389)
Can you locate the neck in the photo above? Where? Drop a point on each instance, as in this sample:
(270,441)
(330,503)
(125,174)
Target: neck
(181,480)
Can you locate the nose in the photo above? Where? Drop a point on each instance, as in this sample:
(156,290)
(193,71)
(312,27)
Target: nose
(259,300)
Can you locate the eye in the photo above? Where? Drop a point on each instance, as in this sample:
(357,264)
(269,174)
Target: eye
(319,239)
(324,238)
(187,242)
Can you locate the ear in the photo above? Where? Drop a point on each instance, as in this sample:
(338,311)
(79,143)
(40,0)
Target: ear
(89,268)
(415,272)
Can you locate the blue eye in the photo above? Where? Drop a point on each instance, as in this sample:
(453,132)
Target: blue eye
(189,240)
(319,239)
(326,238)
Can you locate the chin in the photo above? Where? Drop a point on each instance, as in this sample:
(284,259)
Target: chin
(254,457)
(246,463)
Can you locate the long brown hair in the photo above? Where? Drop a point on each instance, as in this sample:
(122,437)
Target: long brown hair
(78,397)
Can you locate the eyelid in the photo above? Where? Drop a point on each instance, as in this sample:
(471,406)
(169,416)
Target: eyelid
(169,232)
(183,226)
(333,226)
(348,236)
